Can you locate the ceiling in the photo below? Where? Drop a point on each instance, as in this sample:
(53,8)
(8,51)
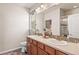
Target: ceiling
(64,6)
(68,6)
(26,5)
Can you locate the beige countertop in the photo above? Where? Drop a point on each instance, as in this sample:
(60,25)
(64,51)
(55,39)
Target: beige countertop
(69,48)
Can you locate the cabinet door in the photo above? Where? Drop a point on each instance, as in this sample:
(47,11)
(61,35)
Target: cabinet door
(33,49)
(40,45)
(34,42)
(59,53)
(29,41)
(49,50)
(41,52)
(28,48)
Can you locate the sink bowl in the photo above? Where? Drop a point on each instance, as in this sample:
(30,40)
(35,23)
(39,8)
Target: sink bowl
(57,42)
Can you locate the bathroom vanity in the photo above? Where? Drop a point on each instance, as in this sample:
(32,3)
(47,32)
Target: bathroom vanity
(38,48)
(37,45)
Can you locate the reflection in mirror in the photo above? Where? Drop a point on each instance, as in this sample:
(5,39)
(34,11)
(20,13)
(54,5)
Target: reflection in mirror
(36,23)
(63,23)
(69,24)
(64,27)
(73,25)
(32,23)
(48,24)
(39,23)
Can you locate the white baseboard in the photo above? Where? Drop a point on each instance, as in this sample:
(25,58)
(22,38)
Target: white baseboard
(9,50)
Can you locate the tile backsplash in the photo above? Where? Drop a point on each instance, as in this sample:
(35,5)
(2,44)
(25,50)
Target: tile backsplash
(70,39)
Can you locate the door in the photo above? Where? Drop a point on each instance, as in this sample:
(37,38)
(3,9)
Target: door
(33,49)
(41,52)
(28,48)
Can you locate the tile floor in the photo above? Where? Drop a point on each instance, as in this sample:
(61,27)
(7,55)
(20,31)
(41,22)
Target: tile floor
(16,52)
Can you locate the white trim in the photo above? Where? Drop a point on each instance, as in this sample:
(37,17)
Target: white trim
(9,50)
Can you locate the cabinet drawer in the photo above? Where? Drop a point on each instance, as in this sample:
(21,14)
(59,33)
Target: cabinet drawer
(49,50)
(59,53)
(34,42)
(40,45)
(41,52)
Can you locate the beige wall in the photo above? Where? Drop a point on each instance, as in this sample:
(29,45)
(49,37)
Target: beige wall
(14,25)
(1,32)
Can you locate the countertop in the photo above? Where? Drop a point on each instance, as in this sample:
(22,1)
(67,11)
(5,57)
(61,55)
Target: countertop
(70,48)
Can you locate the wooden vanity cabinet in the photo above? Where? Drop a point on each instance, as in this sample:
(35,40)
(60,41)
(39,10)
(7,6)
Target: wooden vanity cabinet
(36,48)
(41,49)
(34,42)
(60,53)
(41,46)
(49,50)
(31,47)
(28,49)
(41,52)
(29,41)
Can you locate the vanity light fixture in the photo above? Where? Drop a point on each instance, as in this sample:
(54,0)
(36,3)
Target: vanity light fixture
(38,10)
(75,6)
(42,6)
(64,19)
(57,3)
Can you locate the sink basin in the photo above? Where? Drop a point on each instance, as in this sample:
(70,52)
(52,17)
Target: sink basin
(57,42)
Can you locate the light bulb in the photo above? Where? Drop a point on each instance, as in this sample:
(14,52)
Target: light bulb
(75,6)
(42,6)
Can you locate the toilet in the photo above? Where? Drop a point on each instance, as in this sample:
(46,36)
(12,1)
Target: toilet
(23,46)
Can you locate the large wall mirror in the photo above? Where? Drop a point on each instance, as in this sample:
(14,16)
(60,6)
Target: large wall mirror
(32,21)
(64,22)
(36,23)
